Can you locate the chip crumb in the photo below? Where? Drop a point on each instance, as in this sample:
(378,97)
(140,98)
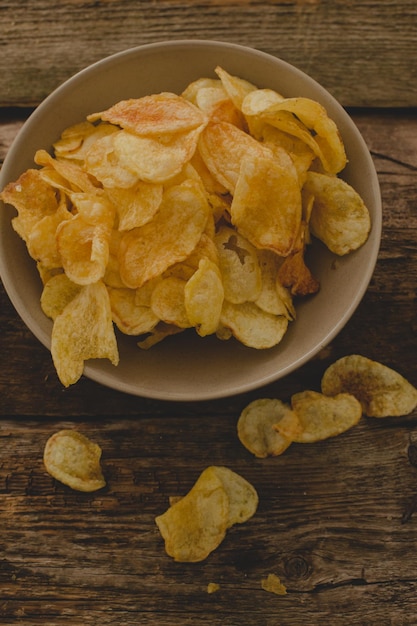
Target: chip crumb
(273,584)
(213,587)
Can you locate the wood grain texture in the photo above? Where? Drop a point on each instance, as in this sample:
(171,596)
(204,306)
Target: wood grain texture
(362,52)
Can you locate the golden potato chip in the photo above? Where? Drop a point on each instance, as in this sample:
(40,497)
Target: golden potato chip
(154,159)
(190,93)
(213,587)
(257,101)
(172,235)
(157,114)
(327,143)
(301,154)
(252,326)
(76,140)
(236,88)
(130,317)
(266,206)
(33,198)
(74,460)
(323,416)
(255,427)
(136,205)
(42,239)
(222,147)
(57,292)
(203,297)
(196,525)
(167,302)
(339,216)
(273,584)
(73,173)
(239,266)
(382,391)
(102,162)
(242,496)
(84,330)
(84,249)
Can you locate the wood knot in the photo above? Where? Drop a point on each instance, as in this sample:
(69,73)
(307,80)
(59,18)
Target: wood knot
(296,567)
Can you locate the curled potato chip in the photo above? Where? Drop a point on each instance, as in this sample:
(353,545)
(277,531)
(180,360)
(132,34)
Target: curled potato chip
(255,427)
(195,525)
(266,206)
(237,88)
(203,298)
(74,460)
(239,266)
(57,292)
(382,391)
(222,147)
(172,235)
(252,326)
(33,198)
(84,330)
(130,317)
(76,140)
(156,114)
(323,416)
(339,216)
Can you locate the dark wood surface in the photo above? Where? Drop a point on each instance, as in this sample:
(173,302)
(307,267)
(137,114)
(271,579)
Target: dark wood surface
(335,520)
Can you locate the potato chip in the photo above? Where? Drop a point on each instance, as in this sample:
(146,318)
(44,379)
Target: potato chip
(196,524)
(203,298)
(73,173)
(222,147)
(168,302)
(84,330)
(327,143)
(42,238)
(301,154)
(192,90)
(57,292)
(323,416)
(154,115)
(172,235)
(76,140)
(255,427)
(130,317)
(339,216)
(239,266)
(102,162)
(74,460)
(252,326)
(242,496)
(33,199)
(136,205)
(154,159)
(158,334)
(236,88)
(266,206)
(382,391)
(273,584)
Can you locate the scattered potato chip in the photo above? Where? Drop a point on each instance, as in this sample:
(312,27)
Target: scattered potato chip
(84,330)
(323,416)
(382,391)
(273,584)
(74,460)
(196,524)
(255,427)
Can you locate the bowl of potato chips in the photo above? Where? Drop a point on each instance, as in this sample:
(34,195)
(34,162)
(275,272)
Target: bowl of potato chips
(187,220)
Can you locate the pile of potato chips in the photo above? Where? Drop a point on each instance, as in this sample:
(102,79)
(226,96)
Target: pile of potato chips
(170,212)
(351,387)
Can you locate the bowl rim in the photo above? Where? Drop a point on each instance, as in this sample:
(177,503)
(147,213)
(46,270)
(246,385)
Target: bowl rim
(90,370)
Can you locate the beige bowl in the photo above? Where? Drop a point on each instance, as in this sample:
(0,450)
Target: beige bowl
(187,367)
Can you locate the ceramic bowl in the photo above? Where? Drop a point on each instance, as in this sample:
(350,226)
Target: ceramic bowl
(187,367)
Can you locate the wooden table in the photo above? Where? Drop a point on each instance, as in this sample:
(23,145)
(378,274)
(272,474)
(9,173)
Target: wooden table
(335,519)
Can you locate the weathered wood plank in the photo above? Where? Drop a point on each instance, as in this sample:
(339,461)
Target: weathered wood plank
(42,44)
